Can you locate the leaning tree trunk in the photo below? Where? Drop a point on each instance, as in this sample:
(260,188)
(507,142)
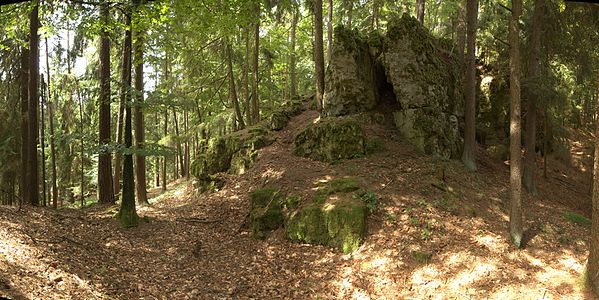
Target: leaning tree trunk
(528,177)
(33,107)
(232,88)
(24,76)
(470,112)
(140,158)
(318,53)
(420,11)
(515,146)
(105,192)
(127,214)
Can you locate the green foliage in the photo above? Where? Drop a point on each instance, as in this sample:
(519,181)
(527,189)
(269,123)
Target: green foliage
(266,214)
(422,257)
(576,219)
(371,200)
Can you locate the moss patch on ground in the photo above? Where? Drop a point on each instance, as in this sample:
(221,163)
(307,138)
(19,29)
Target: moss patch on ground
(266,214)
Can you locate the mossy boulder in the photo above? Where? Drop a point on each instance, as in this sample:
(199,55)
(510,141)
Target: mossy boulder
(349,86)
(266,214)
(280,117)
(331,139)
(233,153)
(339,224)
(427,84)
(337,220)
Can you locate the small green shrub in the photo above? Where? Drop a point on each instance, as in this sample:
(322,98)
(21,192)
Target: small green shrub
(371,200)
(422,257)
(576,219)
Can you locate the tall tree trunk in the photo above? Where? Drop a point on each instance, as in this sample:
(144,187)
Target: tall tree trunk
(255,99)
(119,127)
(420,10)
(318,53)
(32,159)
(140,159)
(350,14)
(51,123)
(232,88)
(246,80)
(330,32)
(81,139)
(105,192)
(179,150)
(292,63)
(24,76)
(593,261)
(186,123)
(470,112)
(127,214)
(43,141)
(528,177)
(515,130)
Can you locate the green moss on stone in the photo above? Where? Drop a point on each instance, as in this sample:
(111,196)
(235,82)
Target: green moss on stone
(331,139)
(266,214)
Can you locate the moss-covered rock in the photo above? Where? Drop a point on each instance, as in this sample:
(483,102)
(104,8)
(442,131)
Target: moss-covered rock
(266,214)
(331,139)
(336,217)
(233,153)
(278,120)
(280,117)
(350,86)
(339,222)
(427,84)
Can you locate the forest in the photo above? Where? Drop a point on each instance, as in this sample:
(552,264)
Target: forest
(289,149)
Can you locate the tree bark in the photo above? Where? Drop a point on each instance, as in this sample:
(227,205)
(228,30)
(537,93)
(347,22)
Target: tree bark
(246,81)
(515,130)
(119,127)
(43,141)
(232,88)
(24,76)
(105,191)
(470,109)
(528,177)
(593,261)
(330,32)
(166,80)
(420,11)
(127,214)
(51,123)
(33,141)
(140,158)
(255,99)
(292,63)
(186,125)
(318,53)
(179,150)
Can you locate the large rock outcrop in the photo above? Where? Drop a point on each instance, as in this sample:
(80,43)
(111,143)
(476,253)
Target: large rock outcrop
(408,70)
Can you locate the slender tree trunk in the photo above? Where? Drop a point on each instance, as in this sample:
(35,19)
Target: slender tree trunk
(515,131)
(593,261)
(350,14)
(232,88)
(119,127)
(179,150)
(461,30)
(318,53)
(127,214)
(470,112)
(81,139)
(528,177)
(255,99)
(330,32)
(246,80)
(186,119)
(24,76)
(164,165)
(52,144)
(105,192)
(292,63)
(32,159)
(140,159)
(43,141)
(420,11)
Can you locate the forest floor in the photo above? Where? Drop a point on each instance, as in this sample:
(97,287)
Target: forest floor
(438,232)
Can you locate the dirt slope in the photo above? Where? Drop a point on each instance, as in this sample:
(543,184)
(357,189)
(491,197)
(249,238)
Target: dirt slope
(429,238)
